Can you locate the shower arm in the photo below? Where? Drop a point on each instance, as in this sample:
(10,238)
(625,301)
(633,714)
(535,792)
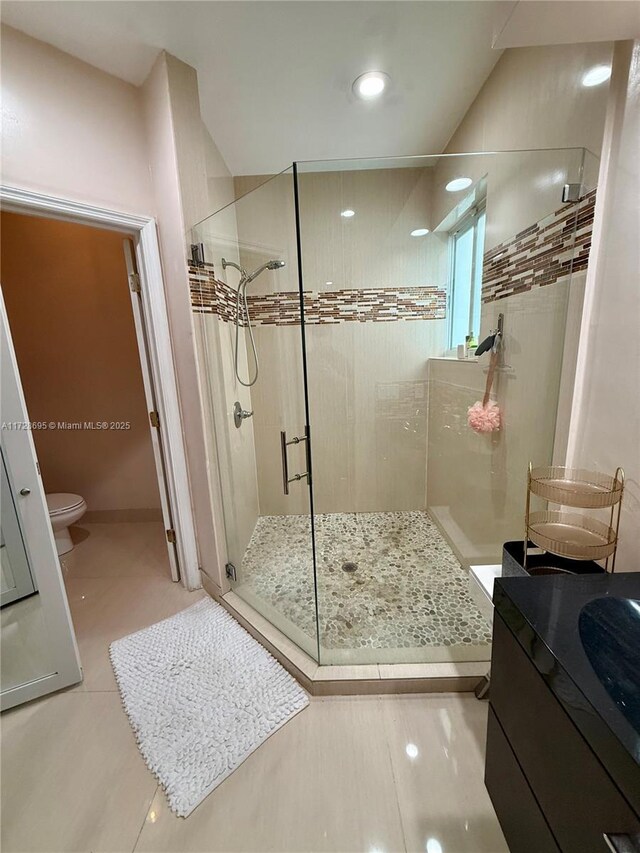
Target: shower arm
(241,270)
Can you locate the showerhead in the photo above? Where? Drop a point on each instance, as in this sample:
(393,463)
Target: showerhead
(270,265)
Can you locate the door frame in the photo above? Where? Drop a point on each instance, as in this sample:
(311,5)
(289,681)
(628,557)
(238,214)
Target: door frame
(160,354)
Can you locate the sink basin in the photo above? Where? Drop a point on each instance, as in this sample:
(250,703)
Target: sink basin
(610,633)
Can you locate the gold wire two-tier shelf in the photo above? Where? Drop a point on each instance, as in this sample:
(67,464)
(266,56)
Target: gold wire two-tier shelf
(570,534)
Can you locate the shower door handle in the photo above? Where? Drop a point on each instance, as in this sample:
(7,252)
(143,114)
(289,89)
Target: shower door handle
(286,479)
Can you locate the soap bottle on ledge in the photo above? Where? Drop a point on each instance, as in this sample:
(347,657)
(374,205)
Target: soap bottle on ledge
(471,345)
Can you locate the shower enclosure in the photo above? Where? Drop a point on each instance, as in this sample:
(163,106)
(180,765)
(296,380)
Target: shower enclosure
(355,495)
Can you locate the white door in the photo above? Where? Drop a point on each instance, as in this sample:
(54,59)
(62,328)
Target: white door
(39,652)
(152,407)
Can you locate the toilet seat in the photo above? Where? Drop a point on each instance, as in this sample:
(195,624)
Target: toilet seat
(63,502)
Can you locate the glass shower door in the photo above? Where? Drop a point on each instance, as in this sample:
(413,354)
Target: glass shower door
(402,259)
(246,298)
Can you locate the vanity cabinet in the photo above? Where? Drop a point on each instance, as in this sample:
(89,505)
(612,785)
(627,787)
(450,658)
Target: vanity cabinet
(547,762)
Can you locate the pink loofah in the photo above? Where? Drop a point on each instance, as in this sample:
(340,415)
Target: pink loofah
(484,418)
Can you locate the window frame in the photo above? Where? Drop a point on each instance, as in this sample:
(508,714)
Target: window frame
(469,221)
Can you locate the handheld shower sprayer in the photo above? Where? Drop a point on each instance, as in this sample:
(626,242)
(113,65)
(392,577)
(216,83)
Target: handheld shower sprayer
(270,265)
(245,279)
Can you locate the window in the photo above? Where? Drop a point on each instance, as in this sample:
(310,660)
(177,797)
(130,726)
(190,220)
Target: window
(467,248)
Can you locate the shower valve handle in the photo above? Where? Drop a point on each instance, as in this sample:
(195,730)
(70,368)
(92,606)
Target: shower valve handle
(240,414)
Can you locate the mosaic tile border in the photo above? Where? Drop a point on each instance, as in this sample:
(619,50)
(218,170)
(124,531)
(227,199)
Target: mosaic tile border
(542,254)
(210,296)
(362,305)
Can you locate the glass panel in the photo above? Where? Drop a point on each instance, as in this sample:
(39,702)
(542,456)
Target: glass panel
(406,494)
(25,642)
(250,358)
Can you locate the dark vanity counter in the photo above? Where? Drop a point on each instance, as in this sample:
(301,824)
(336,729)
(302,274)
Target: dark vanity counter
(565,709)
(547,615)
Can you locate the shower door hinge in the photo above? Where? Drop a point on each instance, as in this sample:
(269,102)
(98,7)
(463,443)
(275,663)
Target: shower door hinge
(230,572)
(134,282)
(572,192)
(154,417)
(197,254)
(171,536)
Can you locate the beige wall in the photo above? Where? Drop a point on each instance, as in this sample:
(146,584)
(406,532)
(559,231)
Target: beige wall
(533,99)
(68,302)
(174,133)
(71,130)
(75,132)
(605,426)
(204,185)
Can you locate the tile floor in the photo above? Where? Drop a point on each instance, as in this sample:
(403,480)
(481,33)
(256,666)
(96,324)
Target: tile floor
(406,601)
(347,774)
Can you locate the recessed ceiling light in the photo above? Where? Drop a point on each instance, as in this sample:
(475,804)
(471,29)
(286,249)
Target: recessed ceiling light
(419,232)
(348,213)
(328,283)
(458,184)
(370,85)
(596,75)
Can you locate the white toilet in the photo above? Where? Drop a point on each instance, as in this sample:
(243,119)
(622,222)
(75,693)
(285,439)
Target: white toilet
(64,510)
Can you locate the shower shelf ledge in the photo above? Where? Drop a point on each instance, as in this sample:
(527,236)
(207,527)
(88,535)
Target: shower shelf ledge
(470,360)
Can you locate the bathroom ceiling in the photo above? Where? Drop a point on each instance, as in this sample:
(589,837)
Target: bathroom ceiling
(275,77)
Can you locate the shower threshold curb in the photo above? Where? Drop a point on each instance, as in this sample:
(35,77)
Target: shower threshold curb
(347,679)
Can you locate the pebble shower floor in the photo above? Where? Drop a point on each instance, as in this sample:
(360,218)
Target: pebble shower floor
(406,601)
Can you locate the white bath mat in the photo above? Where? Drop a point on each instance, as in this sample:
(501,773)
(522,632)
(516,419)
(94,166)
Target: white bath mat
(201,694)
